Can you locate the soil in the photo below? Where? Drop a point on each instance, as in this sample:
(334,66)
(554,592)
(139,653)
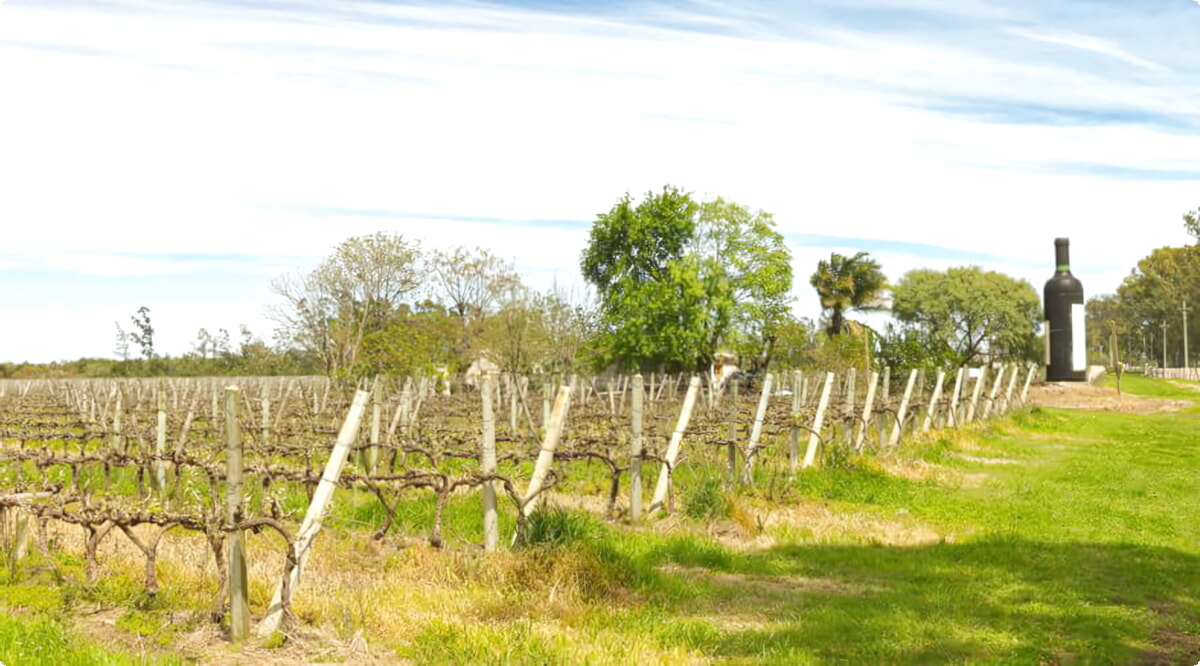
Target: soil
(1078,395)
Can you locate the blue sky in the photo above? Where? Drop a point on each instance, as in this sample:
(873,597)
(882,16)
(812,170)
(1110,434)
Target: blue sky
(180,155)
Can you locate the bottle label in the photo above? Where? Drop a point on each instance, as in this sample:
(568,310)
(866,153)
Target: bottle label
(1078,338)
(1046,326)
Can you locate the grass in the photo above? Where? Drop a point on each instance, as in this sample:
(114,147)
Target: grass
(1053,536)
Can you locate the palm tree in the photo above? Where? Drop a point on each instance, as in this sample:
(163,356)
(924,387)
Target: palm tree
(848,283)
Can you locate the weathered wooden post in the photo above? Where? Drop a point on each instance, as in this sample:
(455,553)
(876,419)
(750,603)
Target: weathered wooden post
(991,400)
(848,404)
(756,429)
(902,411)
(372,457)
(952,419)
(865,422)
(664,475)
(313,518)
(1028,380)
(239,590)
(931,411)
(814,439)
(635,443)
(1012,385)
(558,419)
(265,408)
(733,433)
(487,465)
(794,438)
(979,381)
(160,446)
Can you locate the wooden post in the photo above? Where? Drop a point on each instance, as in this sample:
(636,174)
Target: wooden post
(975,394)
(316,513)
(215,420)
(1012,384)
(848,405)
(487,465)
(512,404)
(372,457)
(664,474)
(991,400)
(160,446)
(931,411)
(756,430)
(814,439)
(20,546)
(635,443)
(266,420)
(239,590)
(547,389)
(1028,380)
(952,414)
(558,419)
(865,423)
(903,410)
(733,433)
(884,398)
(794,439)
(118,411)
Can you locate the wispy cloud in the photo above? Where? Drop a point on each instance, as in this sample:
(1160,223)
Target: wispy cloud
(240,137)
(1092,44)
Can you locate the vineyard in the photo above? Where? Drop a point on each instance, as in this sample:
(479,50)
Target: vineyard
(144,459)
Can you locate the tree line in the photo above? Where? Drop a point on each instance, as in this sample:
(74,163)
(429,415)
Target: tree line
(1145,319)
(672,280)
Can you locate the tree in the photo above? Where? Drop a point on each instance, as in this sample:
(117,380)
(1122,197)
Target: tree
(331,310)
(1153,293)
(746,270)
(677,279)
(973,312)
(848,283)
(648,285)
(144,335)
(470,282)
(1191,222)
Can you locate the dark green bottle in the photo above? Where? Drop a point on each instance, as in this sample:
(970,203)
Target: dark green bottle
(1066,353)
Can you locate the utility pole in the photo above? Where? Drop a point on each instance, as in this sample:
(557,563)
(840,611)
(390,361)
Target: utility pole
(1185,349)
(1163,326)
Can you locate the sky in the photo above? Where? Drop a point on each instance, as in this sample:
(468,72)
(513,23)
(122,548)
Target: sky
(180,155)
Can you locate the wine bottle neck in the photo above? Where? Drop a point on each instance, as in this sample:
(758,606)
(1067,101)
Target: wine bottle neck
(1063,257)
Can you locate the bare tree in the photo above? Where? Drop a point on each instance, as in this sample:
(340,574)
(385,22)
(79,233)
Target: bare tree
(470,283)
(330,310)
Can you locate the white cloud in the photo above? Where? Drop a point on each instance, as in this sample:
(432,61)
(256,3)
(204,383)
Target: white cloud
(1092,44)
(148,133)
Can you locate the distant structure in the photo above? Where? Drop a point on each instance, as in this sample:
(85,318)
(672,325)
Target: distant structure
(724,366)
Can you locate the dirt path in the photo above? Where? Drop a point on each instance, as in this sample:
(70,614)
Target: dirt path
(1070,395)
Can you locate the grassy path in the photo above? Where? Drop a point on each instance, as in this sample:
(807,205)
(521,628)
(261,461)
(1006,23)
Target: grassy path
(1077,538)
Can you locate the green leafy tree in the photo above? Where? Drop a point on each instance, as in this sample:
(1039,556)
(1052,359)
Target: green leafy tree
(746,272)
(1154,293)
(676,279)
(648,284)
(977,314)
(848,283)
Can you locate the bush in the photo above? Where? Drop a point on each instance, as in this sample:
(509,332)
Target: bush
(707,500)
(554,527)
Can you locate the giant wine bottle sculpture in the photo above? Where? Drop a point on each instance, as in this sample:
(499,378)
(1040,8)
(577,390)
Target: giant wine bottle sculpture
(1066,341)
